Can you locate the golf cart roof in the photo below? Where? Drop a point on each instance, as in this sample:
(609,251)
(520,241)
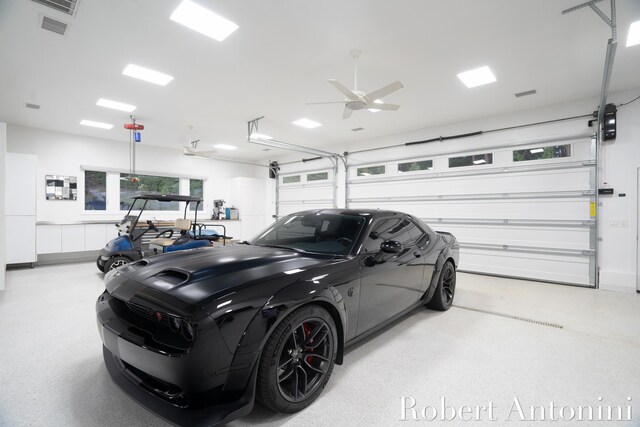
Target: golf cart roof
(168,198)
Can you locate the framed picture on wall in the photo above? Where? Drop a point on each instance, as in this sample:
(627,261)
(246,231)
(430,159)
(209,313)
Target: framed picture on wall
(59,187)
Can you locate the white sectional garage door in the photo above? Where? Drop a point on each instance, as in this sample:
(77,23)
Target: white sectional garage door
(514,213)
(302,190)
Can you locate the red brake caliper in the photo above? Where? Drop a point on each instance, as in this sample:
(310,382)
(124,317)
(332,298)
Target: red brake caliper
(307,330)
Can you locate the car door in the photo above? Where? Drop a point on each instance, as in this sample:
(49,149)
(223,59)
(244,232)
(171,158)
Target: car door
(391,282)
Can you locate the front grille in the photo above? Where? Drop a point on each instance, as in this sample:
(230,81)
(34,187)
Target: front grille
(149,314)
(167,391)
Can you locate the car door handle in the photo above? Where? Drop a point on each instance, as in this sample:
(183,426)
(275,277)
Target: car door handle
(417,254)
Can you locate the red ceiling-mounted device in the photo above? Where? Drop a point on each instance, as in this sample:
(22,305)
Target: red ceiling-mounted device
(133,126)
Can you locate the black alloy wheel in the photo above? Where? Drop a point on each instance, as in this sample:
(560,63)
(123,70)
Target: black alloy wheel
(297,360)
(446,288)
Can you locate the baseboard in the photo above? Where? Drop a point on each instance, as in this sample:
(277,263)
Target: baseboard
(66,257)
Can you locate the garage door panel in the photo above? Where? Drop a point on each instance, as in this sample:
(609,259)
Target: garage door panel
(572,180)
(306,193)
(561,209)
(552,268)
(575,238)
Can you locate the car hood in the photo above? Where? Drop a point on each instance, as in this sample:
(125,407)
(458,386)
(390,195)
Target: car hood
(194,275)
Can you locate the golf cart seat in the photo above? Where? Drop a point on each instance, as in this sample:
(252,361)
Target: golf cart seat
(184,225)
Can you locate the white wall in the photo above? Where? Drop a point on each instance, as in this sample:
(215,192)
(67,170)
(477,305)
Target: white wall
(617,216)
(63,154)
(3,149)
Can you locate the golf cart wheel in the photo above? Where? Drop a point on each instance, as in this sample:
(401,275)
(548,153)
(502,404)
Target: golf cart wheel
(100,267)
(115,262)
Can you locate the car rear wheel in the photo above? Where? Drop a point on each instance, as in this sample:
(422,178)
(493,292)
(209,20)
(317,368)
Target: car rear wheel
(446,289)
(115,262)
(297,360)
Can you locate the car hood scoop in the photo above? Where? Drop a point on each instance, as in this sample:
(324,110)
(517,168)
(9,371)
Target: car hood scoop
(194,275)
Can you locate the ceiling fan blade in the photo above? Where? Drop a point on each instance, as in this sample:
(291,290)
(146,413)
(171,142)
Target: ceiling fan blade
(326,102)
(384,91)
(206,153)
(345,91)
(389,107)
(346,113)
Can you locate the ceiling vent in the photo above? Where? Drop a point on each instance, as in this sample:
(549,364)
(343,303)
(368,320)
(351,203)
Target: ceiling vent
(526,93)
(53,25)
(34,106)
(357,129)
(65,6)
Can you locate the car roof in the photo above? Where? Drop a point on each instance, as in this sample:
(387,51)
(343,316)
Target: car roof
(374,213)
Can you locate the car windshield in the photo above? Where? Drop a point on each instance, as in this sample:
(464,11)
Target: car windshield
(315,232)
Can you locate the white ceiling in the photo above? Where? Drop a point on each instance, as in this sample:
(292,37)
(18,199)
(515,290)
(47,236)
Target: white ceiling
(281,56)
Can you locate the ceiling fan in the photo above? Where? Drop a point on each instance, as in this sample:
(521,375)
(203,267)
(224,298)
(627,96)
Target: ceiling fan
(192,148)
(358,100)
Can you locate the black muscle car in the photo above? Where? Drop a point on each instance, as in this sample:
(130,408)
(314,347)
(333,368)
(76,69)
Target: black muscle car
(197,335)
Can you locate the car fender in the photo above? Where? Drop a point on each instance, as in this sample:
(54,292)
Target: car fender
(274,311)
(444,255)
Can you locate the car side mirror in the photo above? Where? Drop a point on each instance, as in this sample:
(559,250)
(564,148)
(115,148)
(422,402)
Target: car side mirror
(391,247)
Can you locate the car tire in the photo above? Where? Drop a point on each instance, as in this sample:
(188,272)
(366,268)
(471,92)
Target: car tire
(297,360)
(100,267)
(446,288)
(115,262)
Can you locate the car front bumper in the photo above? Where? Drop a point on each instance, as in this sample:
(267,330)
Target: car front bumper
(184,390)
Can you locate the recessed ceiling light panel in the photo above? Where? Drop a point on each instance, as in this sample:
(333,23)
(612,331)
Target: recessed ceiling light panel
(634,34)
(306,123)
(225,147)
(203,20)
(147,75)
(479,161)
(93,124)
(115,105)
(477,77)
(536,150)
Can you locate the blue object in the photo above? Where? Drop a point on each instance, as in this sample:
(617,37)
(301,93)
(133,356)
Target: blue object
(227,213)
(188,245)
(208,233)
(137,136)
(120,244)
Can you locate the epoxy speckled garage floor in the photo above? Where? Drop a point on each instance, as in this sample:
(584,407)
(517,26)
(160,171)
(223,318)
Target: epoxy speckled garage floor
(52,372)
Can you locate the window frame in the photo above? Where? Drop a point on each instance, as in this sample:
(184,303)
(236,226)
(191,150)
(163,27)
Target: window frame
(472,156)
(555,146)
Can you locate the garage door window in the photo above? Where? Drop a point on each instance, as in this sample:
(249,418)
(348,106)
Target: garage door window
(320,176)
(290,179)
(371,170)
(538,153)
(423,165)
(473,160)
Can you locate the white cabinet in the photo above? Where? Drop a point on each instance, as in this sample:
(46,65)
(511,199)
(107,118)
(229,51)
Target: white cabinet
(49,239)
(95,236)
(20,207)
(73,238)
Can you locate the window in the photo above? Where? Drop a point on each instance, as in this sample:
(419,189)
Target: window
(551,152)
(474,160)
(371,170)
(131,186)
(290,179)
(95,191)
(196,187)
(322,233)
(422,165)
(401,230)
(320,176)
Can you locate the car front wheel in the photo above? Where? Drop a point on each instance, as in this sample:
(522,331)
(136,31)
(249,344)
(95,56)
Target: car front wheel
(297,360)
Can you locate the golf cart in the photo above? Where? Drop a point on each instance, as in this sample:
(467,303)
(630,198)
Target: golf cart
(127,247)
